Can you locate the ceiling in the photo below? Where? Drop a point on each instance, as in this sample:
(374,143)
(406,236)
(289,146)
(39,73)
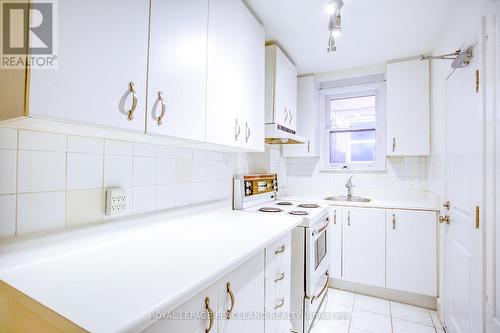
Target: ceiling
(373,31)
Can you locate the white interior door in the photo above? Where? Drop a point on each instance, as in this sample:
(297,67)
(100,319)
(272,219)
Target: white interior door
(463,284)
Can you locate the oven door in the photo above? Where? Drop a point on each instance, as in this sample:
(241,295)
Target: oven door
(316,257)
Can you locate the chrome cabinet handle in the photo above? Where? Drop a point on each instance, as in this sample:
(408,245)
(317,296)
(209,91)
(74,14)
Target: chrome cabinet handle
(282,302)
(291,116)
(349,218)
(159,119)
(231,296)
(393,221)
(280,250)
(237,130)
(308,146)
(280,277)
(393,144)
(286,115)
(335,216)
(247,132)
(210,315)
(131,86)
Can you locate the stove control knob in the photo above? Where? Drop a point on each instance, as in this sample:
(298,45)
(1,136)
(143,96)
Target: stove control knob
(248,184)
(248,192)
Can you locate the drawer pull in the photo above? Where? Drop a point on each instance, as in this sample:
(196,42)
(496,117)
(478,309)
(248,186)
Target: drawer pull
(280,250)
(393,221)
(335,216)
(282,302)
(231,296)
(325,287)
(131,86)
(280,277)
(210,315)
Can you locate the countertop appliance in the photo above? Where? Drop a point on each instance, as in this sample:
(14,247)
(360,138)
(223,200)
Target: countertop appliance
(309,279)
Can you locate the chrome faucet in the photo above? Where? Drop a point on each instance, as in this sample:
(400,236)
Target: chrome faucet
(349,186)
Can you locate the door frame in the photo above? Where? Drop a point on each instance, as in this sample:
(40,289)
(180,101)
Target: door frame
(490,84)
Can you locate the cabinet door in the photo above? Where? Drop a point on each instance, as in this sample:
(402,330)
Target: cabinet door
(247,287)
(177,68)
(408,117)
(198,308)
(285,90)
(335,242)
(411,251)
(307,119)
(226,68)
(363,246)
(102,47)
(252,106)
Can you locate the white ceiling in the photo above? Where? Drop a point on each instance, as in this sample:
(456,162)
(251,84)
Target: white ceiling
(374,31)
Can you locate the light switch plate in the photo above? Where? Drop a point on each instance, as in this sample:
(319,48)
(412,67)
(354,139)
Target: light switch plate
(116,201)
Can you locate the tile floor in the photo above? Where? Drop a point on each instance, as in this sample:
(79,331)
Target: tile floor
(347,312)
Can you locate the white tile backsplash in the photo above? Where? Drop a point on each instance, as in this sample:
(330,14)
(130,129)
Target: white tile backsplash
(118,170)
(40,211)
(80,144)
(8,171)
(84,206)
(144,199)
(84,171)
(31,140)
(7,215)
(144,171)
(41,171)
(54,180)
(8,138)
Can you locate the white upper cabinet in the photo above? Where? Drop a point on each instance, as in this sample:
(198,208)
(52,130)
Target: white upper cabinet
(281,89)
(363,246)
(177,69)
(307,119)
(411,251)
(235,76)
(408,116)
(102,57)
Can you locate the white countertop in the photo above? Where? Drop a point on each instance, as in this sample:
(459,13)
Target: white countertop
(412,200)
(112,278)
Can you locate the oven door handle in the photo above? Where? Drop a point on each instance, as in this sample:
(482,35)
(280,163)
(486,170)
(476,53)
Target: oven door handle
(318,231)
(325,287)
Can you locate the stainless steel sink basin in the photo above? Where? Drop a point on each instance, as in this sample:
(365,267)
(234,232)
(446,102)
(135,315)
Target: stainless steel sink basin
(346,199)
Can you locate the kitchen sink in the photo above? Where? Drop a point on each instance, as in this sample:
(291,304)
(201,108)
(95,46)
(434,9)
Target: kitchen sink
(345,198)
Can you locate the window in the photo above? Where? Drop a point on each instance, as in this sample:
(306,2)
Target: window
(354,130)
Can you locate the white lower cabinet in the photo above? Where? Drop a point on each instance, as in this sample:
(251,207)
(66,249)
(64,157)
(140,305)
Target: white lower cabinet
(411,251)
(335,242)
(363,246)
(259,285)
(278,271)
(393,249)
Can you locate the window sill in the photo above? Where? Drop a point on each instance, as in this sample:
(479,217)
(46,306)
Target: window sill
(355,171)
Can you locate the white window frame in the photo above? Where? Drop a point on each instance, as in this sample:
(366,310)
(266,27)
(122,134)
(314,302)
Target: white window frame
(377,88)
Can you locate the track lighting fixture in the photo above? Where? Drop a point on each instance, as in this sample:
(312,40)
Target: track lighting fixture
(335,22)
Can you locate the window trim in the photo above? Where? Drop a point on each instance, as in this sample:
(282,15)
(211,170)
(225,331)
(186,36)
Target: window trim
(377,88)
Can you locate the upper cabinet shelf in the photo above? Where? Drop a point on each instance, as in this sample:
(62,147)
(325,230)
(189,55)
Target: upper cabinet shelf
(197,81)
(408,115)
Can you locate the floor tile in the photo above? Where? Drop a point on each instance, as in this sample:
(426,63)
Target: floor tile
(372,304)
(403,326)
(411,313)
(341,297)
(323,326)
(337,314)
(435,319)
(370,322)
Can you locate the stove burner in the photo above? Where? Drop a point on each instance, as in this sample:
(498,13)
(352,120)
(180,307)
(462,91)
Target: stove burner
(284,203)
(270,210)
(309,206)
(298,212)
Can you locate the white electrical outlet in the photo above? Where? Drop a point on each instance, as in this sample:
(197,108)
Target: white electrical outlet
(116,201)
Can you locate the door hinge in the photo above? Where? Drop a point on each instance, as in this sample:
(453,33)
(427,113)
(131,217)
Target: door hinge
(477,217)
(477,81)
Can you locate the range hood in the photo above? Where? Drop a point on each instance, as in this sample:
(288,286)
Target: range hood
(277,134)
